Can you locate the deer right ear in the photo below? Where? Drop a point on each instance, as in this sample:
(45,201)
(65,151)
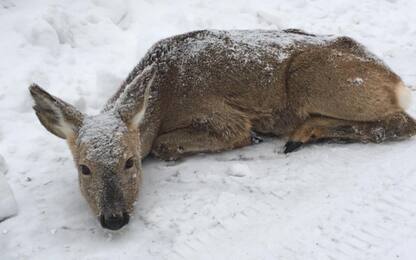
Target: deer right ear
(57,116)
(132,103)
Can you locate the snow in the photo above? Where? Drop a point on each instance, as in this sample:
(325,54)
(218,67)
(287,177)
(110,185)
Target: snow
(244,43)
(329,201)
(8,207)
(102,134)
(356,81)
(239,170)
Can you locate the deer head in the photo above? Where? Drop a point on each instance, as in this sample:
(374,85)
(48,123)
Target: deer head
(105,147)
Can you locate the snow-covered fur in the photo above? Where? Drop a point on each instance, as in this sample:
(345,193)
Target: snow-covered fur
(209,91)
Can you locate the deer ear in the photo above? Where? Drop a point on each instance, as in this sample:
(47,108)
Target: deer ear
(57,116)
(132,103)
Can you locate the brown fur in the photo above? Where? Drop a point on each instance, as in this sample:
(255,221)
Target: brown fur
(209,91)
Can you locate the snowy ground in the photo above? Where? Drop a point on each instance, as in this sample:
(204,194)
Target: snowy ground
(323,202)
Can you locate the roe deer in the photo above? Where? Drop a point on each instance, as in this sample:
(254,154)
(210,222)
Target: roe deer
(209,91)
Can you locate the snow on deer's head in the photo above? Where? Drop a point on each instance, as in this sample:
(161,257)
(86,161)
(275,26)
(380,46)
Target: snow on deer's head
(105,147)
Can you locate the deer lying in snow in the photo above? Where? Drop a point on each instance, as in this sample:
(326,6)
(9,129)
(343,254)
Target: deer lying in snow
(210,91)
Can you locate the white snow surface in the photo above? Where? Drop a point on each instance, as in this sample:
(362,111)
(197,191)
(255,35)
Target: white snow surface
(8,207)
(329,201)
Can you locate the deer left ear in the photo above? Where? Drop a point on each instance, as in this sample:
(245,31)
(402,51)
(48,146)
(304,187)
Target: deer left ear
(57,116)
(133,102)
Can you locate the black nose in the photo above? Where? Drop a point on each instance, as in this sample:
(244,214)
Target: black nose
(114,222)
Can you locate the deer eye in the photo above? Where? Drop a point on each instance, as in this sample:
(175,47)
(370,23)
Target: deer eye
(85,170)
(129,163)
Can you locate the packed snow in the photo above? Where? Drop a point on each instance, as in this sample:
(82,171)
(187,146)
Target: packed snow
(326,201)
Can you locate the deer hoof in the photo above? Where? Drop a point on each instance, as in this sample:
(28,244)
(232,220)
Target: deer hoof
(291,146)
(255,139)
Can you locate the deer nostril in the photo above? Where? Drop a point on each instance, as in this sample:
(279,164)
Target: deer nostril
(114,222)
(126,218)
(102,220)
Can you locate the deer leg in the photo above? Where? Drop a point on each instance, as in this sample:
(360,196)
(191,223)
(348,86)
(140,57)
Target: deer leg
(393,127)
(207,133)
(183,142)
